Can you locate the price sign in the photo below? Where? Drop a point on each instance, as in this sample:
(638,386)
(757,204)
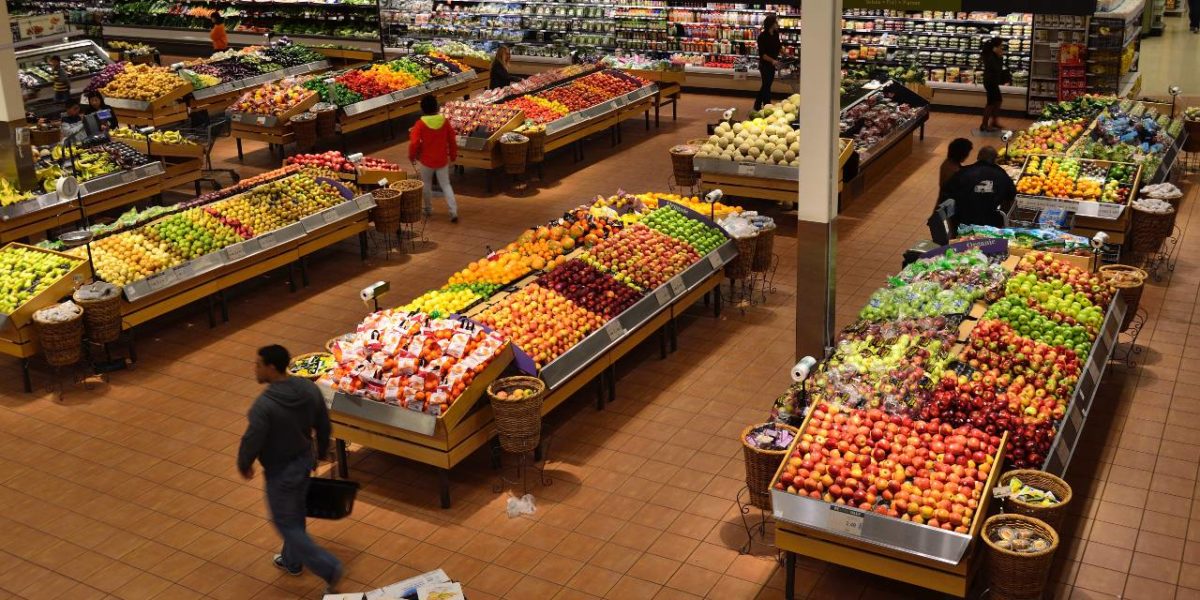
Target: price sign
(663,295)
(614,329)
(714,260)
(364,202)
(330,216)
(746,169)
(845,521)
(1087,209)
(266,240)
(677,287)
(235,252)
(261,120)
(1063,454)
(128,177)
(1077,419)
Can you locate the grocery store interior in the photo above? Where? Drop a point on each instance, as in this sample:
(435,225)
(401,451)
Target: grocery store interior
(638,356)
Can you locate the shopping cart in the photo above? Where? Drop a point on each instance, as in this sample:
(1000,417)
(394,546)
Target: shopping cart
(787,73)
(205,129)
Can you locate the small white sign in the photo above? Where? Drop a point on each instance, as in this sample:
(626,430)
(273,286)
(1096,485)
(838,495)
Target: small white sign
(714,259)
(1087,209)
(663,295)
(261,120)
(677,287)
(747,169)
(235,252)
(615,330)
(846,521)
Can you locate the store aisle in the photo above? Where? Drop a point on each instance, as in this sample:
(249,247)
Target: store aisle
(1171,59)
(131,491)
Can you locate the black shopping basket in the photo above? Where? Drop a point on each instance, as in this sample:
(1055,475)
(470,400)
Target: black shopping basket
(331,498)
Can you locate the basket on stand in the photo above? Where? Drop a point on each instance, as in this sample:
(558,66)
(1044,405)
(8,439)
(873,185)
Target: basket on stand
(326,118)
(1148,229)
(410,199)
(1018,575)
(683,164)
(537,145)
(386,214)
(518,422)
(1052,515)
(1192,143)
(761,466)
(764,250)
(514,153)
(101,317)
(1129,281)
(739,267)
(304,126)
(61,340)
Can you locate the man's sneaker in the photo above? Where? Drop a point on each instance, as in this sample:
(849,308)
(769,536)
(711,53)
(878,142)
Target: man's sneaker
(331,585)
(454,218)
(278,560)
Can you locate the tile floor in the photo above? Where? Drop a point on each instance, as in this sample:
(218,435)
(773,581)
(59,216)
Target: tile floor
(129,491)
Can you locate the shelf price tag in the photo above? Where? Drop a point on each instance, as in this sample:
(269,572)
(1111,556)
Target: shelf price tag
(235,252)
(677,287)
(663,295)
(614,329)
(714,259)
(261,120)
(1077,419)
(845,521)
(128,177)
(330,216)
(746,169)
(266,240)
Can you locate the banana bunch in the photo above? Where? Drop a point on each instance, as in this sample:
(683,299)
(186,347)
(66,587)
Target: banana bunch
(127,133)
(9,194)
(170,137)
(48,176)
(91,165)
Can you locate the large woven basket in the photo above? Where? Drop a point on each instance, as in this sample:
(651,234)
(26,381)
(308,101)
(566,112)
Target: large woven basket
(683,164)
(1148,230)
(739,267)
(537,145)
(304,126)
(386,214)
(764,250)
(514,154)
(1014,575)
(326,119)
(1052,515)
(45,137)
(101,318)
(61,341)
(761,466)
(1130,282)
(410,199)
(518,422)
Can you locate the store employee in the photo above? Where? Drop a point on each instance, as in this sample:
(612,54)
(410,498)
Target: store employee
(980,191)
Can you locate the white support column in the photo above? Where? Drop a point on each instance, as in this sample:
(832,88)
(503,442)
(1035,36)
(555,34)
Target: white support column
(820,80)
(12,106)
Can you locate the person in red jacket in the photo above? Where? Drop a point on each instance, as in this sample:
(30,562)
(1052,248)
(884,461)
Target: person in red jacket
(432,149)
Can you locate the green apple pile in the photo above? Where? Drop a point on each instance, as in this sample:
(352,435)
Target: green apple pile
(194,233)
(25,273)
(1031,323)
(703,238)
(1057,297)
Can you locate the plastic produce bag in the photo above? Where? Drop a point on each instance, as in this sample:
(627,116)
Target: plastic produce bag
(98,290)
(59,313)
(520,506)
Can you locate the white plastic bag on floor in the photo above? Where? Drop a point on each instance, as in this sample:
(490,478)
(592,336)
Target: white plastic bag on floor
(520,506)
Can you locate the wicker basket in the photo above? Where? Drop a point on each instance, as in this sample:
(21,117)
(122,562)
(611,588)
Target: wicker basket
(296,359)
(1015,575)
(326,119)
(537,145)
(739,267)
(761,466)
(45,137)
(764,250)
(1129,281)
(514,155)
(304,126)
(386,214)
(1148,230)
(329,343)
(101,318)
(683,165)
(518,422)
(61,341)
(1051,515)
(410,199)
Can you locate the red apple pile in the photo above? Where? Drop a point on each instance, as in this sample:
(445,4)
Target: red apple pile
(337,162)
(967,401)
(1036,379)
(590,288)
(642,256)
(926,472)
(541,322)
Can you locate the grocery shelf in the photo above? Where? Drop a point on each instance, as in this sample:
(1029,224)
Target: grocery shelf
(195,36)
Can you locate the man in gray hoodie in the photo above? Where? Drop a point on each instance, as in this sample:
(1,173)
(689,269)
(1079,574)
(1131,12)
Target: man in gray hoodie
(279,436)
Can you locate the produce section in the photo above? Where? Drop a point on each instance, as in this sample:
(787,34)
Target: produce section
(569,300)
(913,411)
(82,59)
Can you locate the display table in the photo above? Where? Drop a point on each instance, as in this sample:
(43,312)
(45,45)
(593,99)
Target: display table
(274,130)
(218,97)
(164,110)
(942,561)
(34,217)
(670,89)
(764,182)
(383,109)
(469,423)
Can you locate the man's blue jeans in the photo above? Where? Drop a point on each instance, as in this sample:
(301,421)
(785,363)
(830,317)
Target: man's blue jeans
(287,492)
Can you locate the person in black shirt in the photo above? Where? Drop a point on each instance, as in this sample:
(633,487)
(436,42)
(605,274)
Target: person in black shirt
(994,76)
(499,72)
(96,104)
(73,114)
(980,191)
(769,47)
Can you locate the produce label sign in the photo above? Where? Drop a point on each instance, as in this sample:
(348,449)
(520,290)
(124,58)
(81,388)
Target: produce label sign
(990,247)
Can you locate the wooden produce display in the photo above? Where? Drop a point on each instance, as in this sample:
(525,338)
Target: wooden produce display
(670,88)
(752,180)
(274,130)
(443,443)
(484,152)
(1112,218)
(218,97)
(164,110)
(36,216)
(382,109)
(17,336)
